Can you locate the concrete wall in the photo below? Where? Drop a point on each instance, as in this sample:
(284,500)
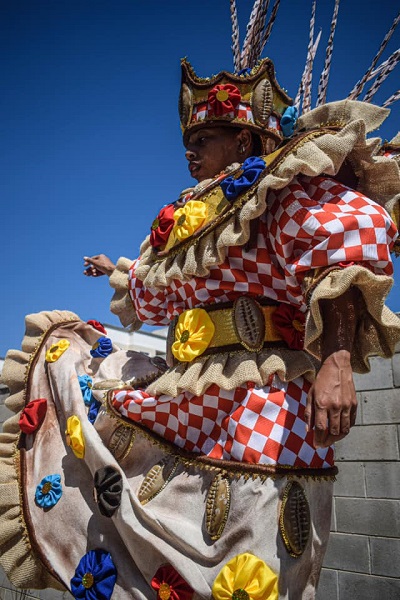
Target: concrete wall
(363,558)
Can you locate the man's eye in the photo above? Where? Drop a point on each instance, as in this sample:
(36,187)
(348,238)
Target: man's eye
(202,140)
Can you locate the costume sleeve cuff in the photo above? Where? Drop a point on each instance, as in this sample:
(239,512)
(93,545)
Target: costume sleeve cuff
(121,303)
(378,328)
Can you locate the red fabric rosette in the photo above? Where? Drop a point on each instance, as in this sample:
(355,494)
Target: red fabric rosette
(290,323)
(162,226)
(168,581)
(32,415)
(97,325)
(223,99)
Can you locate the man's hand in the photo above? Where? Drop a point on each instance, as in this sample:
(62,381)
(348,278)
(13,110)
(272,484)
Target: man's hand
(332,403)
(98,265)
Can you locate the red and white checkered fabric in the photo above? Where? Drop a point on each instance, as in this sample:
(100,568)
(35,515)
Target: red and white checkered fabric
(391,153)
(274,122)
(255,425)
(312,223)
(243,111)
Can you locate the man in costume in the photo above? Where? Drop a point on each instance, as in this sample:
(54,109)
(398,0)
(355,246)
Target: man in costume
(211,478)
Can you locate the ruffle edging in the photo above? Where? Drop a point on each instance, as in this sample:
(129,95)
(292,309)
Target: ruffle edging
(121,303)
(378,328)
(17,556)
(322,151)
(231,370)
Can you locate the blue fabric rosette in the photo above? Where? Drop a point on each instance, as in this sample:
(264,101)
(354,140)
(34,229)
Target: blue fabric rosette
(85,383)
(49,491)
(251,171)
(288,121)
(93,410)
(95,576)
(102,348)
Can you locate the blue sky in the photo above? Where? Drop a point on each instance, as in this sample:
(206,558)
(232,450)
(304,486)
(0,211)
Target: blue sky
(90,145)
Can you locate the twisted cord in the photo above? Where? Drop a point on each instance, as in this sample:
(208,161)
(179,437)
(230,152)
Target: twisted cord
(255,50)
(248,40)
(381,67)
(300,91)
(296,102)
(235,37)
(392,62)
(324,79)
(358,88)
(270,24)
(393,98)
(309,63)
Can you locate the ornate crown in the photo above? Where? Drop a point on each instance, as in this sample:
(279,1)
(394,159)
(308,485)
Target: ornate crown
(252,99)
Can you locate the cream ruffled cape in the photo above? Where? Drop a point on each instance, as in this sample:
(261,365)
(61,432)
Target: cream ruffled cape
(41,548)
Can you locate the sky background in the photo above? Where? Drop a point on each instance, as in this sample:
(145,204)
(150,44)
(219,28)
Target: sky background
(90,145)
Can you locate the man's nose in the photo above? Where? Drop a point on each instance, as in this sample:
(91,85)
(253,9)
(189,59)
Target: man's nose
(190,155)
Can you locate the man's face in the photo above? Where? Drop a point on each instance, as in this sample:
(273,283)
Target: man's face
(210,150)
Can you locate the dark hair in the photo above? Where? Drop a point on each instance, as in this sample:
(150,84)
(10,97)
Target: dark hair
(257,145)
(255,140)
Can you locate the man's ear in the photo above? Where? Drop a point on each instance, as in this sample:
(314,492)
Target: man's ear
(245,141)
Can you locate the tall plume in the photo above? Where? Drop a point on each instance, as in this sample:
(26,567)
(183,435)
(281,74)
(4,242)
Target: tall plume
(235,36)
(324,79)
(358,88)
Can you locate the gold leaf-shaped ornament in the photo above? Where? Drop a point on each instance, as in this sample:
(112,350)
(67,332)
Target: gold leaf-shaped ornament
(249,323)
(120,442)
(185,105)
(294,519)
(261,102)
(157,478)
(217,506)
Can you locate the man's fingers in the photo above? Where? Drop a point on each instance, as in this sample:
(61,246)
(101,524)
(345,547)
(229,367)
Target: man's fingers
(345,423)
(353,415)
(321,426)
(309,411)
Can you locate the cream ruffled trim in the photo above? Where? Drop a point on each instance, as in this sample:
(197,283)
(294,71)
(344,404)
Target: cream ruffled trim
(230,370)
(379,179)
(17,557)
(378,328)
(396,140)
(121,303)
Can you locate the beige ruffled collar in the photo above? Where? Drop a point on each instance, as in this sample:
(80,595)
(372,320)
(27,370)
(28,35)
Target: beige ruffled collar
(329,135)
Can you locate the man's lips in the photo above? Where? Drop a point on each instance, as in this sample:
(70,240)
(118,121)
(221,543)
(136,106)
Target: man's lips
(193,167)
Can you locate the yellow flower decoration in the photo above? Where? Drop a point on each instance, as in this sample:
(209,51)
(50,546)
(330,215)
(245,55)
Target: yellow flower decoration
(246,577)
(56,350)
(193,334)
(74,436)
(189,219)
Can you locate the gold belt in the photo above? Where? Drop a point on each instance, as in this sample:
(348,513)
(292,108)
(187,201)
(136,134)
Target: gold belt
(244,324)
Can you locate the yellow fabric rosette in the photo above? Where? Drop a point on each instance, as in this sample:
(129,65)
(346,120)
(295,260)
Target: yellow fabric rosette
(56,350)
(246,577)
(189,219)
(74,436)
(193,334)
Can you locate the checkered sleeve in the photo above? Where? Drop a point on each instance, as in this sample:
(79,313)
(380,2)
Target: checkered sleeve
(150,304)
(328,238)
(316,223)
